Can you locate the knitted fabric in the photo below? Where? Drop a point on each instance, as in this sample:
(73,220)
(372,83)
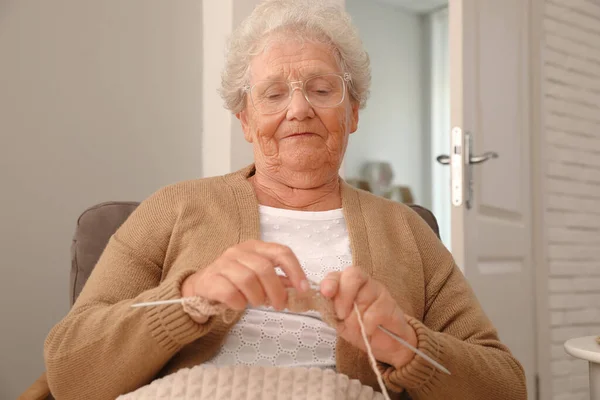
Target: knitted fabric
(254,383)
(201,309)
(296,302)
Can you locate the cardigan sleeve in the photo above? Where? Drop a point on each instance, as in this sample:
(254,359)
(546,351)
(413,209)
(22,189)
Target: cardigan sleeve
(104,347)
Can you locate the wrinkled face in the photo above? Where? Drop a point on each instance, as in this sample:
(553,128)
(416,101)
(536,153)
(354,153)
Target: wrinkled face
(302,146)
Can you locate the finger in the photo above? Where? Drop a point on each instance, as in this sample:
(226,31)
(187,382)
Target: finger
(283,257)
(246,281)
(222,290)
(382,311)
(271,283)
(369,293)
(351,282)
(330,284)
(285,281)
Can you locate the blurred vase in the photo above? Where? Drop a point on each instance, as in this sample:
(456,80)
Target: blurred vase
(401,194)
(359,183)
(379,175)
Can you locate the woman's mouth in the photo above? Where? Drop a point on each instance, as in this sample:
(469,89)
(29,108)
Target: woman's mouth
(301,134)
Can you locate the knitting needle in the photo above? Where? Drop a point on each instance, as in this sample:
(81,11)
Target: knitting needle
(161,302)
(312,285)
(158,303)
(316,286)
(414,349)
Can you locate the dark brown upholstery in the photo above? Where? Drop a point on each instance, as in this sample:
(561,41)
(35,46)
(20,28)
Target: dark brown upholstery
(96,225)
(94,228)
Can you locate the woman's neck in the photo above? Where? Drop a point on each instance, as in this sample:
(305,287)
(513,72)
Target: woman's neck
(273,193)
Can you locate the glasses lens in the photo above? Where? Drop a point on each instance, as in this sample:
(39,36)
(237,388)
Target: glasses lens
(325,90)
(270,96)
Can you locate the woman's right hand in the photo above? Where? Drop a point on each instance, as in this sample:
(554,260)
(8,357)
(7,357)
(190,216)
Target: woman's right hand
(245,273)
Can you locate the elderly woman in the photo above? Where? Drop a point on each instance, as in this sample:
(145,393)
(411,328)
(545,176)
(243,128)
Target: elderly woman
(296,76)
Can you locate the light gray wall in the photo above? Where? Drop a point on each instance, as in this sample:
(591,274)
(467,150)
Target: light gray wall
(241,151)
(392,128)
(99,100)
(224,147)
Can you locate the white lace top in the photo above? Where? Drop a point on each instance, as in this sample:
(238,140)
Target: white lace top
(266,337)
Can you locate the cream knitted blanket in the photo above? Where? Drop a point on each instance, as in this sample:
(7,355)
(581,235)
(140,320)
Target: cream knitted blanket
(254,383)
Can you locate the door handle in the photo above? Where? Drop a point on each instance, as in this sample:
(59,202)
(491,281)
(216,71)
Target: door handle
(444,159)
(488,155)
(461,164)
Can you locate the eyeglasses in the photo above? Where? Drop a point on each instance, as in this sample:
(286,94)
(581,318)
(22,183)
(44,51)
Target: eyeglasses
(323,91)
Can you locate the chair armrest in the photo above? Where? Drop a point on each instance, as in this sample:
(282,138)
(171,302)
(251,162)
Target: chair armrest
(38,391)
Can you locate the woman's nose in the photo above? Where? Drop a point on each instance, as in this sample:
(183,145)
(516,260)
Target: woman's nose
(299,107)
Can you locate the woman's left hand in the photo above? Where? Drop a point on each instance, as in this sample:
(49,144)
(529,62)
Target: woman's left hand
(377,307)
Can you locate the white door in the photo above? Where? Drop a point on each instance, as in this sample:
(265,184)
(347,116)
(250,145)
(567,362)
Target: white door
(491,229)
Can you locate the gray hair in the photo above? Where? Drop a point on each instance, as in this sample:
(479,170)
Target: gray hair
(319,20)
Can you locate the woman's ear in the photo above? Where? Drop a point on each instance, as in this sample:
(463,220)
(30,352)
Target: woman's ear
(243,117)
(354,117)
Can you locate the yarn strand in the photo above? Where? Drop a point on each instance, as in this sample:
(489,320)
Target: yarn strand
(370,353)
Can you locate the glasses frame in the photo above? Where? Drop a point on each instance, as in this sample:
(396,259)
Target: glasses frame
(300,85)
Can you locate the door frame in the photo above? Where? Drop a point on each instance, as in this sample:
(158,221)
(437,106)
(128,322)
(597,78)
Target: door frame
(538,206)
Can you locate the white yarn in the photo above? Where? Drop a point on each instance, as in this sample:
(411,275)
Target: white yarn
(370,353)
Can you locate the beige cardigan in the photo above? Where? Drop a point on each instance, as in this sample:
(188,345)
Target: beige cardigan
(104,348)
